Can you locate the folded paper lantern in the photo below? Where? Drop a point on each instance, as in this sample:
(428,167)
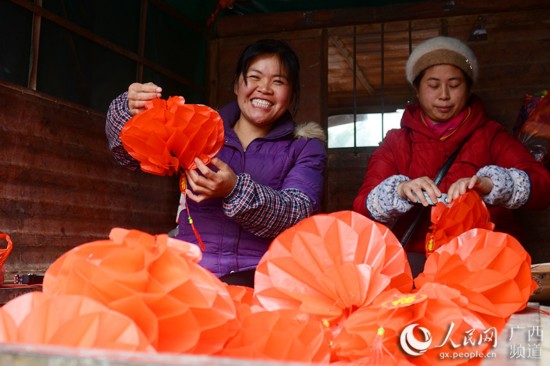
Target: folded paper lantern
(71,321)
(283,335)
(156,281)
(197,133)
(370,335)
(243,297)
(451,325)
(395,263)
(169,135)
(4,254)
(241,294)
(329,265)
(489,268)
(385,332)
(8,328)
(449,221)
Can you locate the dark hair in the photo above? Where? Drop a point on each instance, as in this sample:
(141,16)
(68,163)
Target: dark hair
(469,81)
(286,55)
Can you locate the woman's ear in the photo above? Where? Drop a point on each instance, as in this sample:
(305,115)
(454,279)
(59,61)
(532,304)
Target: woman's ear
(239,80)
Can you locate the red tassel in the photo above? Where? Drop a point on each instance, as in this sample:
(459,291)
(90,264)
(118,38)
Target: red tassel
(183,187)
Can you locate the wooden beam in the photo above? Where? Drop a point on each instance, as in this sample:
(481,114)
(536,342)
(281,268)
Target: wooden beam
(83,32)
(348,57)
(280,22)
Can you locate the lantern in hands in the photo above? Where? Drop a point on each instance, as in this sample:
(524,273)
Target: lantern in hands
(168,136)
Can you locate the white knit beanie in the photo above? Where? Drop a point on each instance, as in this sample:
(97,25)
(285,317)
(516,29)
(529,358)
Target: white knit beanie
(439,51)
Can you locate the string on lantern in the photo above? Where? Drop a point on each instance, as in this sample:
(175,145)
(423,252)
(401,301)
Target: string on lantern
(183,188)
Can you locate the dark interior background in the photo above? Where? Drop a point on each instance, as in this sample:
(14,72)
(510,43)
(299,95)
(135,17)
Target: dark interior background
(63,61)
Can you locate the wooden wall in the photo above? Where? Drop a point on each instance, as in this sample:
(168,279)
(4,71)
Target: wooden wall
(59,185)
(514,60)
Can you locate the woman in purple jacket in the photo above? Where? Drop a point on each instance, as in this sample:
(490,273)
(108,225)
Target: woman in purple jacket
(267,177)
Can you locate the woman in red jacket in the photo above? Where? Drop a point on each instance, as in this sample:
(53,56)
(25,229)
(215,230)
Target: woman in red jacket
(400,174)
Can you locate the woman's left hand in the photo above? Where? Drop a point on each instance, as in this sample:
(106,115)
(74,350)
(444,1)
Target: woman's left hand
(210,184)
(482,185)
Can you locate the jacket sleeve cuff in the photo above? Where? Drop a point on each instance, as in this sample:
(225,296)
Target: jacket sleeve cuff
(383,202)
(511,187)
(233,197)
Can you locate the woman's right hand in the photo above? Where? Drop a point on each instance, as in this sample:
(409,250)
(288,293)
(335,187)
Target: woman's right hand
(140,94)
(210,183)
(482,185)
(413,190)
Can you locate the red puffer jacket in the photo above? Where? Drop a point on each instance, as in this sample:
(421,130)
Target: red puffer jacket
(414,151)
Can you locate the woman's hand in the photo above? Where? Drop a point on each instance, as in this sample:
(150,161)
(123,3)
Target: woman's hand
(210,184)
(413,190)
(482,185)
(140,94)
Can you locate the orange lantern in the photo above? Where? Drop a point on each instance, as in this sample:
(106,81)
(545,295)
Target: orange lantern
(467,212)
(243,297)
(4,254)
(416,327)
(370,335)
(283,335)
(451,325)
(489,268)
(329,265)
(197,132)
(169,135)
(156,281)
(71,321)
(8,328)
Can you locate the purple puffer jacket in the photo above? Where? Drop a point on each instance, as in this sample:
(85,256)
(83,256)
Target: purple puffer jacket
(279,160)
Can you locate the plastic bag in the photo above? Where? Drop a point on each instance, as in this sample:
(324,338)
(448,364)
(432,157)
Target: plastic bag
(533,125)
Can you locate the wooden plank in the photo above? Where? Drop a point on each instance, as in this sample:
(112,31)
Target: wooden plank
(347,56)
(60,186)
(291,21)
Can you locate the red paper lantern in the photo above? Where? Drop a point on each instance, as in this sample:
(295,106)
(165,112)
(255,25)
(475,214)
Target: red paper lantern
(467,212)
(8,328)
(387,331)
(169,135)
(155,280)
(329,265)
(243,297)
(370,335)
(283,335)
(491,269)
(70,321)
(4,254)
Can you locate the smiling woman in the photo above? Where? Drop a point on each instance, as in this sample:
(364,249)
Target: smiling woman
(268,175)
(264,94)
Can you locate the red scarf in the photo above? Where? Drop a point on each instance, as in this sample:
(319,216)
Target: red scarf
(445,129)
